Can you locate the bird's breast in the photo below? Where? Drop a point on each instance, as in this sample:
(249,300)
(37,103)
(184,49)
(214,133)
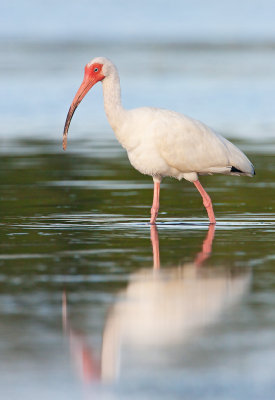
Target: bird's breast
(148,161)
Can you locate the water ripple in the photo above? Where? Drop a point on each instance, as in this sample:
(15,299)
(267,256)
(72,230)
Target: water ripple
(112,221)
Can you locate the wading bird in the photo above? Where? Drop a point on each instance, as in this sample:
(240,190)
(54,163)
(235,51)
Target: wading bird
(160,142)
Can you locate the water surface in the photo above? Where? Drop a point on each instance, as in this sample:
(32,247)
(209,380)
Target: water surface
(93,300)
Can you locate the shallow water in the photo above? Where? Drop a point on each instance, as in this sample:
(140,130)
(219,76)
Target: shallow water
(88,305)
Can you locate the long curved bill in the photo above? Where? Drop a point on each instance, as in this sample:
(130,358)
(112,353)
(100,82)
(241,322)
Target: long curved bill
(85,86)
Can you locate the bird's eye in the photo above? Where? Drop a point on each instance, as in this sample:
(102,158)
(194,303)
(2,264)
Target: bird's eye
(96,70)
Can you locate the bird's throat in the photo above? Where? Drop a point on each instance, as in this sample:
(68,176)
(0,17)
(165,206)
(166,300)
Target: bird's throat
(112,100)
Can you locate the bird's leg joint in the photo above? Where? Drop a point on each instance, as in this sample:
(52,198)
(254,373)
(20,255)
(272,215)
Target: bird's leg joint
(154,214)
(206,201)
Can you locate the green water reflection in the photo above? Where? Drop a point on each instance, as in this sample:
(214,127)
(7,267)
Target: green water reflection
(79,222)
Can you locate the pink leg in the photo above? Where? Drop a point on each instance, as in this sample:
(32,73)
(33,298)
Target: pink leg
(155,205)
(155,246)
(206,247)
(88,366)
(206,202)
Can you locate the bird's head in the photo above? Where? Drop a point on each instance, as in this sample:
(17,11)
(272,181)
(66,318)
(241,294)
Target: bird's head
(95,71)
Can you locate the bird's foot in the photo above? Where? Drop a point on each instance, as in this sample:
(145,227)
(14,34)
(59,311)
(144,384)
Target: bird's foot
(211,215)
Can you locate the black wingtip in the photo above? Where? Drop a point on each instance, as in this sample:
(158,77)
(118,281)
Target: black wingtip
(234,169)
(238,171)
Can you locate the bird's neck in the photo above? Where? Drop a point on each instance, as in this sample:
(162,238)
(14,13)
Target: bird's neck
(112,100)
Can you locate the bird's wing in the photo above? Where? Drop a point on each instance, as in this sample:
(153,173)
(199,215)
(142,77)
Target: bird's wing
(190,146)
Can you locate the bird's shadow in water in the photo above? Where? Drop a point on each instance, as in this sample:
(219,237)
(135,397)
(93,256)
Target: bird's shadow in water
(160,308)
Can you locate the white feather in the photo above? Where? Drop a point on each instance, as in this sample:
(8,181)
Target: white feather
(163,143)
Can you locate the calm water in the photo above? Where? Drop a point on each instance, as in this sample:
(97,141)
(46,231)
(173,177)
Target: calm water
(86,306)
(95,303)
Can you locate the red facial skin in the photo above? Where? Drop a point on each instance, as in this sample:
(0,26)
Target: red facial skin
(92,75)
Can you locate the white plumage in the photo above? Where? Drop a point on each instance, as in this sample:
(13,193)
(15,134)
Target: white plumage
(166,143)
(160,142)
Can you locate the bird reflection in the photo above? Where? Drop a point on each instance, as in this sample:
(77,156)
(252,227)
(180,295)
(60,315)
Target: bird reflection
(161,308)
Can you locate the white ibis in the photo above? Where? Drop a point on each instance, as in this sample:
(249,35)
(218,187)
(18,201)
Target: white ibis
(160,142)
